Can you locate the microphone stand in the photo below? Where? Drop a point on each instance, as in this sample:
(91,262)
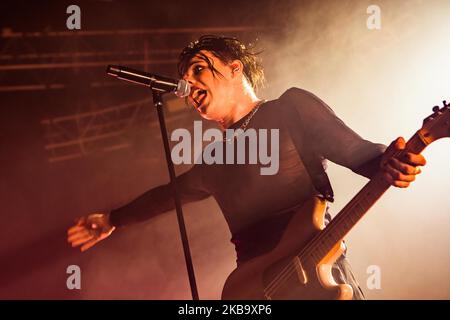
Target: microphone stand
(158,102)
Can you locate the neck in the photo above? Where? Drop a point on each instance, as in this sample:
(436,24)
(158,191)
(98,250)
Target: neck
(239,108)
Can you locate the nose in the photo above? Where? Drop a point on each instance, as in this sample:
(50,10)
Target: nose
(188,78)
(191,82)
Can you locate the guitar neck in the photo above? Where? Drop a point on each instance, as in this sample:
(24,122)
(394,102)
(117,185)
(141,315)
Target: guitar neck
(349,216)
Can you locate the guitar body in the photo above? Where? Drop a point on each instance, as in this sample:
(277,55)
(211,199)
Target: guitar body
(251,279)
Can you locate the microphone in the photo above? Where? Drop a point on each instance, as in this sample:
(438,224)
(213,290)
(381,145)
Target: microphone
(181,88)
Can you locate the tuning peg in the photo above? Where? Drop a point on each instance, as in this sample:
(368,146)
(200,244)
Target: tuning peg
(446,105)
(436,109)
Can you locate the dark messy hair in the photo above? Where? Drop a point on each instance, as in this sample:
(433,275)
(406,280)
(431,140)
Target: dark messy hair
(226,49)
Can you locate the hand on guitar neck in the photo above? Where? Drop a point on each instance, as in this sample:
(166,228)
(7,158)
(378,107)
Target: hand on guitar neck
(400,168)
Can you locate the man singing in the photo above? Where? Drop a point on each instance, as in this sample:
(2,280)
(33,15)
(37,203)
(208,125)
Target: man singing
(224,74)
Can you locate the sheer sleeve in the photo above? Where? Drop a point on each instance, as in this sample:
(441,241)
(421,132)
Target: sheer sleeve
(160,199)
(328,135)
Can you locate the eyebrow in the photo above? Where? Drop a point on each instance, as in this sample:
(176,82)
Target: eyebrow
(194,62)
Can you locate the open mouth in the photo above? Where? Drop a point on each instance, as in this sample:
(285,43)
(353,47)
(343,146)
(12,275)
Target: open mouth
(199,97)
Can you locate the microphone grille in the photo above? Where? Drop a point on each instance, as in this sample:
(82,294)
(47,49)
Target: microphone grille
(183,89)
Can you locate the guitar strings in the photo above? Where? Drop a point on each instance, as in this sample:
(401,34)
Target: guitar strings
(289,269)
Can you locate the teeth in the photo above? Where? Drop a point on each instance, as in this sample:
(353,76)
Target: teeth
(200,93)
(199,96)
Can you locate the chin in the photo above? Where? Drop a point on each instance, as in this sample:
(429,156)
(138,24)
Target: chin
(206,116)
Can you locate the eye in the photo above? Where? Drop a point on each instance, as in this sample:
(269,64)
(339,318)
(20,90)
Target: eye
(197,69)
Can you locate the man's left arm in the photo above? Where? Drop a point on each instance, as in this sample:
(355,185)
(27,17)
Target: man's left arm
(334,140)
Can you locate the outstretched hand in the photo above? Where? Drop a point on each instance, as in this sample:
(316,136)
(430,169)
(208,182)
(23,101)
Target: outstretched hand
(89,230)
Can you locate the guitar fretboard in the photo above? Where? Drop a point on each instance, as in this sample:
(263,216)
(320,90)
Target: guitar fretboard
(349,216)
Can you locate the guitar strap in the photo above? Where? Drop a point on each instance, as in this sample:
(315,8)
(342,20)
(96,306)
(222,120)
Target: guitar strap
(312,161)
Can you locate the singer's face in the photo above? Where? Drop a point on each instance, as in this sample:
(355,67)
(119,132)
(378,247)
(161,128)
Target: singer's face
(212,90)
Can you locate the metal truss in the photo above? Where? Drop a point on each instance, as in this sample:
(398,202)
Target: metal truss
(81,134)
(58,60)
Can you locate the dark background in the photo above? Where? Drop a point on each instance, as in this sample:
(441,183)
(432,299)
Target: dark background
(75,141)
(54,169)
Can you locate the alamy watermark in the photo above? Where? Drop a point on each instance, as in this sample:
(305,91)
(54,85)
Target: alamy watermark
(73,21)
(374,278)
(374,20)
(74,280)
(239,146)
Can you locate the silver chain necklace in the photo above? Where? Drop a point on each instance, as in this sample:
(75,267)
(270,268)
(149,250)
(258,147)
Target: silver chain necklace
(247,120)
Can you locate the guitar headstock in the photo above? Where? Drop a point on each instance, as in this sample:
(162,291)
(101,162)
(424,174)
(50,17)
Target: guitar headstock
(437,125)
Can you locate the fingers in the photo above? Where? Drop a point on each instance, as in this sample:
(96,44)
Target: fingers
(75,229)
(397,175)
(408,157)
(82,240)
(89,244)
(403,167)
(414,159)
(396,183)
(399,143)
(395,146)
(81,221)
(78,226)
(79,234)
(80,237)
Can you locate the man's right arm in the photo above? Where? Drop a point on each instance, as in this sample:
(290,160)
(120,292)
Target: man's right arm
(95,227)
(160,199)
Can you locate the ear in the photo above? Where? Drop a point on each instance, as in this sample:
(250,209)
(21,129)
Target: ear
(237,68)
